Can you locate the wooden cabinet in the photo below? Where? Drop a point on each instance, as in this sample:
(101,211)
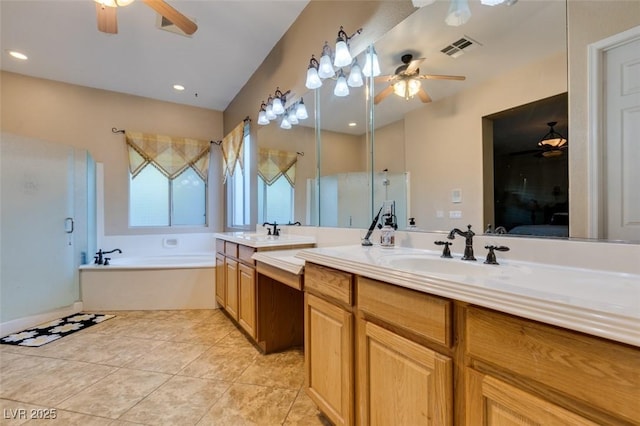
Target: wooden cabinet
(247,299)
(231,288)
(221,283)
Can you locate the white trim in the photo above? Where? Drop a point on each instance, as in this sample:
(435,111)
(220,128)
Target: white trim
(595,119)
(20,324)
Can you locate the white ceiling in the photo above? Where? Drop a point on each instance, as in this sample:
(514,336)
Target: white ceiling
(62,42)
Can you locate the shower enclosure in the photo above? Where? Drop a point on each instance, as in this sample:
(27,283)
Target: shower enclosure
(48,222)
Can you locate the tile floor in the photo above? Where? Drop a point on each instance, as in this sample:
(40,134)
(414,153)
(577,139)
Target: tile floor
(155,368)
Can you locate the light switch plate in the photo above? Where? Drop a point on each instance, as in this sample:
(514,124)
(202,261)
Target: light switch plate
(456,195)
(455,214)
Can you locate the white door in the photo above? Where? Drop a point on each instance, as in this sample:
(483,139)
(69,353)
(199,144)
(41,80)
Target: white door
(622,141)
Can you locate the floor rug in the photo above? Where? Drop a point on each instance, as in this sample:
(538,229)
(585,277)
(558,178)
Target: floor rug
(54,330)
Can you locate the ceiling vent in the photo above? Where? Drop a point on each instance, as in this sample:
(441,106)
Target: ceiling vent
(459,47)
(164,24)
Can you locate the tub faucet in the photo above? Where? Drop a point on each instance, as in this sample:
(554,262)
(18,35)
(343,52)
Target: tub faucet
(468,245)
(100,260)
(276,230)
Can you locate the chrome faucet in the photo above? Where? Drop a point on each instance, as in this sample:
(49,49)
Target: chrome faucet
(100,260)
(276,230)
(468,245)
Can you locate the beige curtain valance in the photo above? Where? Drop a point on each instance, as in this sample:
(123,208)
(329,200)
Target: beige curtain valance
(170,155)
(273,163)
(231,148)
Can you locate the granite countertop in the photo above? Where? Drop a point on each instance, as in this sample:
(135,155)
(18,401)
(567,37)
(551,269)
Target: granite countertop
(600,303)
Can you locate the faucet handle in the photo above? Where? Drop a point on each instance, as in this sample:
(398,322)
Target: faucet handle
(106,261)
(445,250)
(491,256)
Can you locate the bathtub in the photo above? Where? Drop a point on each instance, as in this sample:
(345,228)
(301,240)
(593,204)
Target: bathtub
(182,281)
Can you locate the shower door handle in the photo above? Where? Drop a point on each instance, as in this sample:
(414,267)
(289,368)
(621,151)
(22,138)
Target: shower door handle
(68,225)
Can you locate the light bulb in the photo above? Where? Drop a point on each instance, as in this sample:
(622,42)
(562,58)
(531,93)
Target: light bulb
(371,65)
(343,56)
(278,108)
(262,118)
(341,89)
(301,111)
(269,113)
(459,13)
(326,67)
(284,124)
(313,79)
(355,76)
(293,118)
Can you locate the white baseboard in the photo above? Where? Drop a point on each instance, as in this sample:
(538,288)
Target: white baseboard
(20,324)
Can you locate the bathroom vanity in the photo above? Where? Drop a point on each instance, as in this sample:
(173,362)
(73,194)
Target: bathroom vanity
(264,301)
(403,337)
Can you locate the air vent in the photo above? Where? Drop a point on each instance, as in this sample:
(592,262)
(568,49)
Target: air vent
(464,45)
(164,24)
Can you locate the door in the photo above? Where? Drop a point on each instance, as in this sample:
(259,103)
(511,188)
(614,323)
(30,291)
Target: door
(42,184)
(622,130)
(247,299)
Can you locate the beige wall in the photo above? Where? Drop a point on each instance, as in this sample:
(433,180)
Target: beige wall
(587,25)
(389,148)
(83,117)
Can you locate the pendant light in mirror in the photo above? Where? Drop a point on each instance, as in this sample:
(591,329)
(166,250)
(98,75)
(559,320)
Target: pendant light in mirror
(313,79)
(301,110)
(325,70)
(371,65)
(342,88)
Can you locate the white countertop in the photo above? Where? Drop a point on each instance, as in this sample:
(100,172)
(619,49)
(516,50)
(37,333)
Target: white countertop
(262,240)
(600,303)
(282,259)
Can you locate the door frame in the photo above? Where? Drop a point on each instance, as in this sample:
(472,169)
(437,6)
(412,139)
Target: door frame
(596,114)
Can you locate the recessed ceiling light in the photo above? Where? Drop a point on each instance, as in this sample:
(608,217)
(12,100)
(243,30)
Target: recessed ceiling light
(353,124)
(18,55)
(178,87)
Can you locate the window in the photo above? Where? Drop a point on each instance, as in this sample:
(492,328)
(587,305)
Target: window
(239,187)
(167,180)
(275,201)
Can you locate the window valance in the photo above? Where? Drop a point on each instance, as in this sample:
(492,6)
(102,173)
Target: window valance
(273,163)
(231,148)
(170,155)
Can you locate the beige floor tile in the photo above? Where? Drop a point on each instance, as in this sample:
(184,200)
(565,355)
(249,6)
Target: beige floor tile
(167,357)
(282,370)
(180,401)
(250,405)
(236,339)
(203,333)
(47,381)
(220,363)
(305,413)
(194,315)
(116,393)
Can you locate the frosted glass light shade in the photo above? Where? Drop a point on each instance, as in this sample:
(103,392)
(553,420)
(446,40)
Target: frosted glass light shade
(278,108)
(406,88)
(313,79)
(326,67)
(292,117)
(341,89)
(371,65)
(343,56)
(301,111)
(269,113)
(284,124)
(262,118)
(459,13)
(355,76)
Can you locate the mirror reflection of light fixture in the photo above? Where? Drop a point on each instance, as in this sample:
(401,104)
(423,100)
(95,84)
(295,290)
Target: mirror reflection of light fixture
(342,88)
(301,110)
(269,109)
(291,114)
(285,124)
(406,88)
(262,115)
(355,75)
(343,55)
(325,70)
(313,79)
(279,101)
(459,13)
(292,117)
(371,65)
(552,139)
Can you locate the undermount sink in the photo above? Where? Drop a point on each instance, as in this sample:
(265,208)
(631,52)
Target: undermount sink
(425,264)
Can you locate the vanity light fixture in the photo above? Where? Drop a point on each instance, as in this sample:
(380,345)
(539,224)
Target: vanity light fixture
(301,110)
(459,13)
(355,75)
(342,88)
(292,117)
(285,124)
(313,79)
(371,65)
(262,115)
(325,70)
(552,139)
(269,109)
(343,55)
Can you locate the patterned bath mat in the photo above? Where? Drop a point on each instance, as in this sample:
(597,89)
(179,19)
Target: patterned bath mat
(54,330)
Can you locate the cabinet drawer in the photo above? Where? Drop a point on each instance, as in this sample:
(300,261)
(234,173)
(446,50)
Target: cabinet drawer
(245,254)
(231,249)
(423,314)
(601,373)
(329,282)
(219,246)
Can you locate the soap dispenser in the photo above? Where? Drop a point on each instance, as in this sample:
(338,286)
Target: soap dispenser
(387,233)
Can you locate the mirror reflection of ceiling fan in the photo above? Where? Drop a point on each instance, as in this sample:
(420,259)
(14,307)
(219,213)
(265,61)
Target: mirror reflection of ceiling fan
(406,82)
(553,144)
(106,12)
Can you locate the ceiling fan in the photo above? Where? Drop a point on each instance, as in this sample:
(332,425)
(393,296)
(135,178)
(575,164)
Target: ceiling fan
(406,82)
(108,21)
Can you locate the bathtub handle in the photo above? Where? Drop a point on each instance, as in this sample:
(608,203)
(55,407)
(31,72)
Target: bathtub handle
(68,221)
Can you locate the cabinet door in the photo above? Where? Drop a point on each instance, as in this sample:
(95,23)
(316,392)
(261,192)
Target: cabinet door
(231,276)
(495,403)
(247,299)
(328,352)
(401,382)
(220,281)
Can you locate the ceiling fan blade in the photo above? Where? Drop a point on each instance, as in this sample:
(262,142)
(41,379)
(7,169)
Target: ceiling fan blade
(107,19)
(380,96)
(413,66)
(178,19)
(385,78)
(440,77)
(424,96)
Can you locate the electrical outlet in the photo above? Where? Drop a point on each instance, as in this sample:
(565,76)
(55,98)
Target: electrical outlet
(455,214)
